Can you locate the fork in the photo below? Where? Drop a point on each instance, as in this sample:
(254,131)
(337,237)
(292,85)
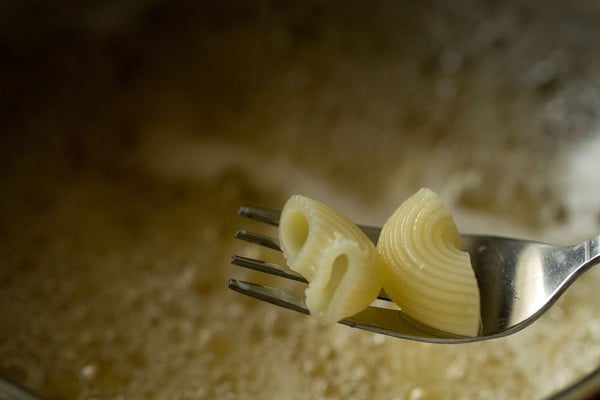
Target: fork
(518,281)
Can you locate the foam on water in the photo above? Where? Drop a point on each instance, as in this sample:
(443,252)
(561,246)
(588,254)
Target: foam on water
(580,183)
(119,192)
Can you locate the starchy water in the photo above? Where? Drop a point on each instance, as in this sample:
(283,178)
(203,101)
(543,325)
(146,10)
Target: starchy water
(119,193)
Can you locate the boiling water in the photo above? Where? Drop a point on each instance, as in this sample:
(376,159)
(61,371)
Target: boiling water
(119,192)
(121,292)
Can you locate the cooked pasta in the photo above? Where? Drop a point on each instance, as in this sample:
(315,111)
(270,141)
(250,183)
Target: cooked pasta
(341,264)
(426,273)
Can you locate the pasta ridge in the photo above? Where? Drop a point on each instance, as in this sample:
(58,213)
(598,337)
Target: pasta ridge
(341,264)
(427,275)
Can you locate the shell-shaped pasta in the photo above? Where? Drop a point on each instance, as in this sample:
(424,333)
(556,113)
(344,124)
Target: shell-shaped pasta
(341,264)
(426,273)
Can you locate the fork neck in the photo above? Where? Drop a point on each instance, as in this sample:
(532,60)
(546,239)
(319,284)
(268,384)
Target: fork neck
(591,252)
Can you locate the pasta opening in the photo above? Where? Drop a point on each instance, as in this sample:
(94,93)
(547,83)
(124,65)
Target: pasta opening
(338,270)
(298,232)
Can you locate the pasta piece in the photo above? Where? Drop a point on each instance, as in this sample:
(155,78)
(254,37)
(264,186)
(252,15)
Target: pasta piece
(426,273)
(341,264)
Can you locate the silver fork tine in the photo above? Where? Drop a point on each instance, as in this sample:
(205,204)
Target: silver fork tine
(269,268)
(265,215)
(374,319)
(277,296)
(266,241)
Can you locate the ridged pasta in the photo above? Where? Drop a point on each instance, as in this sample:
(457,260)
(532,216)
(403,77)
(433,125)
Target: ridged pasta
(341,264)
(426,273)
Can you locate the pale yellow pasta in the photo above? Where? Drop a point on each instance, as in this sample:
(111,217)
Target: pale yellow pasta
(341,264)
(426,273)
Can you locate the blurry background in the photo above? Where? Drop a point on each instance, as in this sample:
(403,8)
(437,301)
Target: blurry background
(131,131)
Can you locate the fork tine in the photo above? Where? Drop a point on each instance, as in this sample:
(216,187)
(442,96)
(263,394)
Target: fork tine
(256,238)
(269,268)
(373,319)
(265,215)
(279,297)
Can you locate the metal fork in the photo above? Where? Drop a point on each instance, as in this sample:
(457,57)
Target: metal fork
(518,281)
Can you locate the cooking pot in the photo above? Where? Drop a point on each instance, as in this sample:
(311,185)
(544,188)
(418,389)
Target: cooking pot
(134,131)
